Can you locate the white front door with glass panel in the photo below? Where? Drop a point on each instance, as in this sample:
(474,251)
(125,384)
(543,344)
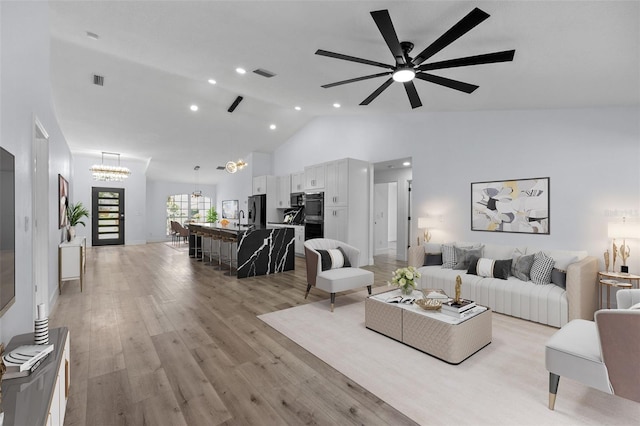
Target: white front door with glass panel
(107,216)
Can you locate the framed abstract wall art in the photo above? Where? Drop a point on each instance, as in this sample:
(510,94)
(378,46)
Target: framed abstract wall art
(520,205)
(63,198)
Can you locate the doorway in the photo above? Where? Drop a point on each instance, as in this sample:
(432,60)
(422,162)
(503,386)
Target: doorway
(40,215)
(385,218)
(107,217)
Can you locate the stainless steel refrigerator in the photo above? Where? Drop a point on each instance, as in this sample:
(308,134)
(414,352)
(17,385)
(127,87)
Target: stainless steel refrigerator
(257,211)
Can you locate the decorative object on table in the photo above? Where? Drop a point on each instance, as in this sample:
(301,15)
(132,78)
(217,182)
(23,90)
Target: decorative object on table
(458,298)
(615,254)
(63,199)
(429,304)
(437,294)
(41,327)
(520,206)
(224,223)
(606,260)
(625,230)
(404,279)
(212,215)
(24,359)
(75,214)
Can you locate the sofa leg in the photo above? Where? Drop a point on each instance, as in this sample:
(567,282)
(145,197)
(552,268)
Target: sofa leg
(554,379)
(333,300)
(308,290)
(369,289)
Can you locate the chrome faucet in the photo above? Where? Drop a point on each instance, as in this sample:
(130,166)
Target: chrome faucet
(241,213)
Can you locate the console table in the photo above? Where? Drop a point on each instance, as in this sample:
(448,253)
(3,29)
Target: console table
(610,279)
(41,397)
(72,261)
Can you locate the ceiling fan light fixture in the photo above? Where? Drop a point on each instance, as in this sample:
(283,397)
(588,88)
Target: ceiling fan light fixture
(404,74)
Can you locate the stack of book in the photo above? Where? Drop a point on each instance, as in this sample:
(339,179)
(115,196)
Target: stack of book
(457,309)
(22,361)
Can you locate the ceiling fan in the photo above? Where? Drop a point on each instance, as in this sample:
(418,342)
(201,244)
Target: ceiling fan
(407,68)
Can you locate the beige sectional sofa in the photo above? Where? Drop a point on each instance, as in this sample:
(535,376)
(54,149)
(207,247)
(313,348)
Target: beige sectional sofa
(544,303)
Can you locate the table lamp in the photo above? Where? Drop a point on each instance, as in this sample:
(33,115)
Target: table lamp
(625,230)
(426,223)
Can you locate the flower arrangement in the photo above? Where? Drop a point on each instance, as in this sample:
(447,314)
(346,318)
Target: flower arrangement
(224,223)
(404,278)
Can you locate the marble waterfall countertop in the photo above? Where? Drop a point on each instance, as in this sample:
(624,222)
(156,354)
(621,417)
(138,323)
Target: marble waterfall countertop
(259,251)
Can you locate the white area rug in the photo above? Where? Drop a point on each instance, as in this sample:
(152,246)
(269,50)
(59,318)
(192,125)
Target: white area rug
(505,383)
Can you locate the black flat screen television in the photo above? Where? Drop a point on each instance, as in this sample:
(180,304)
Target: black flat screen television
(230,209)
(7,230)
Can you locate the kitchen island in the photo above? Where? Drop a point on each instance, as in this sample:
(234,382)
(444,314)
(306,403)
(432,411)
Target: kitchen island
(259,251)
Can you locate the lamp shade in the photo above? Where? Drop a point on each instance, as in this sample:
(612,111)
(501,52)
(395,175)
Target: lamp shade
(426,222)
(626,230)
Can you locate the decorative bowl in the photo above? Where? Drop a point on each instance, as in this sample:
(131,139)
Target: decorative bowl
(429,304)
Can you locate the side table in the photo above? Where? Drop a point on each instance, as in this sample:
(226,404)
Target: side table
(611,279)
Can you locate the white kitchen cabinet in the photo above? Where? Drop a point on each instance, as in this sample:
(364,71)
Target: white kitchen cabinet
(297,182)
(260,185)
(336,223)
(283,192)
(314,177)
(72,261)
(299,243)
(336,183)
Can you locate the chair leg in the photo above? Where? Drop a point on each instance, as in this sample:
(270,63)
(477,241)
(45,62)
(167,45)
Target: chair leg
(333,300)
(308,290)
(369,289)
(554,379)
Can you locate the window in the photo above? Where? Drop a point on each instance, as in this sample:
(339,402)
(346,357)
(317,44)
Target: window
(184,208)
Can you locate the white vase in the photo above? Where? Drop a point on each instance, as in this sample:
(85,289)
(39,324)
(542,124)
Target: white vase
(71,233)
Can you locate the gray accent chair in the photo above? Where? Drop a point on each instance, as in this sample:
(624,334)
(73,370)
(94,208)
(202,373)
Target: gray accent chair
(334,280)
(602,354)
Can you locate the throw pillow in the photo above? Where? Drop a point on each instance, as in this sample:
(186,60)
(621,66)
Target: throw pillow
(490,268)
(464,255)
(333,258)
(636,306)
(523,267)
(448,256)
(517,253)
(541,268)
(432,259)
(559,278)
(346,262)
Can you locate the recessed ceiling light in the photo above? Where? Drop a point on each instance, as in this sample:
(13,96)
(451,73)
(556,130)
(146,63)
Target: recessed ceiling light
(241,70)
(336,105)
(272,127)
(193,107)
(406,163)
(92,36)
(211,81)
(297,108)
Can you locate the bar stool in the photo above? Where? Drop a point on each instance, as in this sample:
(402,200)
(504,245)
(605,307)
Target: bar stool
(201,235)
(231,239)
(215,236)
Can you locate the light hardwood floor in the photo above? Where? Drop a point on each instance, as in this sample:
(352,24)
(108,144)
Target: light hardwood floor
(158,338)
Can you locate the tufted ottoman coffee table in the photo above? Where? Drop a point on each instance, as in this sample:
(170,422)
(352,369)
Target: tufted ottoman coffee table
(450,339)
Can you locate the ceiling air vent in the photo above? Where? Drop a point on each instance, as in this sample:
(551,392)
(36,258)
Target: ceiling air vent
(264,73)
(98,80)
(235,103)
(220,168)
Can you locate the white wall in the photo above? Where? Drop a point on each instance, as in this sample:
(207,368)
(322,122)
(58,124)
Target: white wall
(135,193)
(156,206)
(26,93)
(591,156)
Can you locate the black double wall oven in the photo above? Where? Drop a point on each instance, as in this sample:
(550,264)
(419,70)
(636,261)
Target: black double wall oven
(314,215)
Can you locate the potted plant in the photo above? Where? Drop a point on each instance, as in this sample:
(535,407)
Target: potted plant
(75,214)
(212,215)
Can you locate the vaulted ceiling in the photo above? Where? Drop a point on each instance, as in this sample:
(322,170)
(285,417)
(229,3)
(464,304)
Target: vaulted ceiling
(156,58)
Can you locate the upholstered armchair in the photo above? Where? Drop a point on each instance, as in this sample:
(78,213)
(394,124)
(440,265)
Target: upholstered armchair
(332,266)
(602,354)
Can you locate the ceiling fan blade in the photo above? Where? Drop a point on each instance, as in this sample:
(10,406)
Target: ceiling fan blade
(383,21)
(487,58)
(463,26)
(352,59)
(353,80)
(377,92)
(447,82)
(412,93)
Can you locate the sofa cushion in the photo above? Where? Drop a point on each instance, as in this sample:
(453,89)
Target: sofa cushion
(448,256)
(497,251)
(333,258)
(431,259)
(432,248)
(464,255)
(541,268)
(486,267)
(562,258)
(559,277)
(522,267)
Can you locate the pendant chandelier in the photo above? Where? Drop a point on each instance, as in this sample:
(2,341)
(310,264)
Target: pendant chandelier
(109,173)
(196,192)
(234,166)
